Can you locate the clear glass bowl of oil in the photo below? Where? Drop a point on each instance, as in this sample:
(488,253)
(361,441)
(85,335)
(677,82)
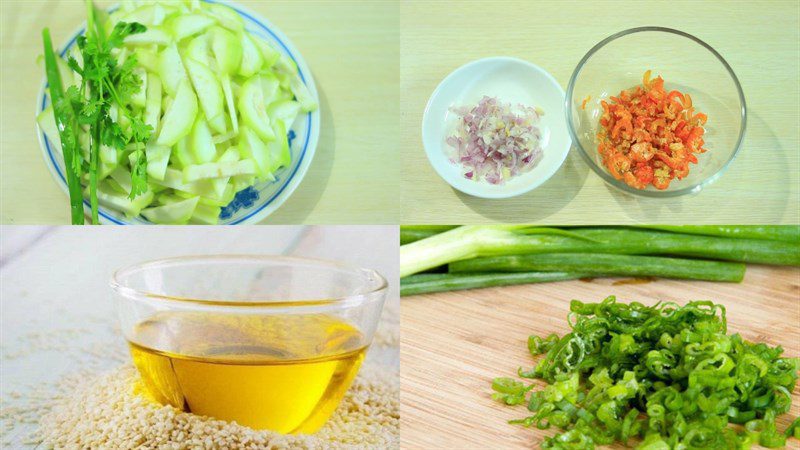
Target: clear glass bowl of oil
(268,342)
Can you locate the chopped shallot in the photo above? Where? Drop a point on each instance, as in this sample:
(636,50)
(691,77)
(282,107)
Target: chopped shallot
(495,141)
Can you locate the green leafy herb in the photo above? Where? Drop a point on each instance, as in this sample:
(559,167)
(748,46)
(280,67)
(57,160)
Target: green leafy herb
(67,125)
(668,375)
(101,100)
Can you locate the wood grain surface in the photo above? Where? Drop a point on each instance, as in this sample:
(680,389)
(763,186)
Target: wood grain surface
(352,50)
(453,344)
(759,39)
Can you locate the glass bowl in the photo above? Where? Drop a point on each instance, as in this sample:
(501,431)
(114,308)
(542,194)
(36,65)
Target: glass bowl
(269,342)
(686,64)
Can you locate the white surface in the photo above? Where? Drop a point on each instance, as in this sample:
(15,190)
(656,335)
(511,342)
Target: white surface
(265,189)
(56,313)
(511,80)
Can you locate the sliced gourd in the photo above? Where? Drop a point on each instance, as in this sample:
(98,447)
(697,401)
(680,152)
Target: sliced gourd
(285,111)
(152,105)
(174,213)
(227,52)
(251,147)
(226,16)
(182,154)
(157,160)
(187,25)
(170,69)
(201,144)
(147,58)
(47,122)
(270,55)
(180,116)
(206,214)
(279,153)
(219,184)
(111,199)
(252,105)
(199,49)
(209,93)
(153,35)
(219,170)
(251,57)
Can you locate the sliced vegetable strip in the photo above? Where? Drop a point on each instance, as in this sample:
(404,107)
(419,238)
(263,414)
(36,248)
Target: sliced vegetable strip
(599,264)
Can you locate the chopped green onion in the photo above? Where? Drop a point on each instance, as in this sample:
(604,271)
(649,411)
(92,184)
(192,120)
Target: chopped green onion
(667,375)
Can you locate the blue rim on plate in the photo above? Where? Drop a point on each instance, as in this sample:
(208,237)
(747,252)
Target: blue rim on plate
(246,194)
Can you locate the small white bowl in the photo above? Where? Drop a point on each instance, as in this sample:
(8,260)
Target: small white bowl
(511,80)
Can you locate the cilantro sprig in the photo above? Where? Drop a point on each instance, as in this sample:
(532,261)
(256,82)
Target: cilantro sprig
(101,100)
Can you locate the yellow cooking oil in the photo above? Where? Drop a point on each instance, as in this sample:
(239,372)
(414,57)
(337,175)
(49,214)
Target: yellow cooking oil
(282,373)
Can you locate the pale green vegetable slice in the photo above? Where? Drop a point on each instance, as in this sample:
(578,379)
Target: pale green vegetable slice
(68,77)
(178,119)
(252,106)
(152,106)
(182,154)
(202,147)
(108,155)
(228,54)
(47,122)
(111,199)
(279,153)
(206,214)
(170,69)
(209,93)
(285,111)
(219,184)
(199,50)
(227,17)
(153,35)
(149,15)
(122,176)
(140,97)
(109,160)
(270,55)
(173,213)
(173,179)
(242,182)
(187,25)
(251,57)
(147,58)
(212,200)
(288,68)
(251,147)
(157,160)
(219,170)
(270,87)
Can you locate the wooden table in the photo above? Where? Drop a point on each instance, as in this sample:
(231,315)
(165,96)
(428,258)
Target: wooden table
(454,343)
(760,40)
(352,50)
(58,317)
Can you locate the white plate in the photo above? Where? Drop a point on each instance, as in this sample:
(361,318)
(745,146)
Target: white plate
(511,80)
(253,204)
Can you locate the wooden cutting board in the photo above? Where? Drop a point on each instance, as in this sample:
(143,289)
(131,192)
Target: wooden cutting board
(454,343)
